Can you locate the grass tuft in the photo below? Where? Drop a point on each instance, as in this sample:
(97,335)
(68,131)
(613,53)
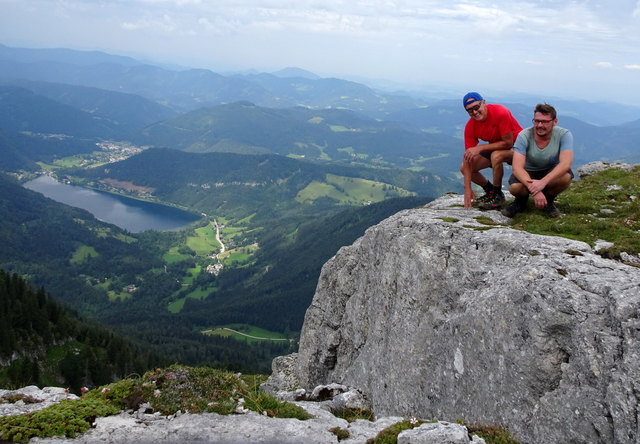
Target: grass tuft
(390,434)
(353,414)
(603,206)
(340,433)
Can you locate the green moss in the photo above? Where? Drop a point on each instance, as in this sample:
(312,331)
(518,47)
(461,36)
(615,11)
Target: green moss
(177,388)
(491,434)
(487,221)
(353,414)
(390,434)
(452,220)
(340,433)
(68,418)
(475,227)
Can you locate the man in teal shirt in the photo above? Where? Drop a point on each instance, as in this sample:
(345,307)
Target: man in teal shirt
(541,165)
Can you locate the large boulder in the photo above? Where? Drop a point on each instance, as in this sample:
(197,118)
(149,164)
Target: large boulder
(442,314)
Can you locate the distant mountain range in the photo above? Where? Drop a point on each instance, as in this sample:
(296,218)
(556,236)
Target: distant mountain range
(282,156)
(91,95)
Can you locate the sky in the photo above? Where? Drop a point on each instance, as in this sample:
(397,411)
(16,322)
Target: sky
(571,49)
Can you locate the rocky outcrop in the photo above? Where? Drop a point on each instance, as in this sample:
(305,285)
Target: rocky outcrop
(451,315)
(145,426)
(31,398)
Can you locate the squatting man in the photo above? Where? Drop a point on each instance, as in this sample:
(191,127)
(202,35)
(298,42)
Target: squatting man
(495,125)
(541,165)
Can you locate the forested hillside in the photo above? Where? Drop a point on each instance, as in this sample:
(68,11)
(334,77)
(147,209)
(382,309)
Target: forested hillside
(313,134)
(277,289)
(217,183)
(88,264)
(41,343)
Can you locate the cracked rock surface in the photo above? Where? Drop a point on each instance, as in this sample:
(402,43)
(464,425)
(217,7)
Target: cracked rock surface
(439,313)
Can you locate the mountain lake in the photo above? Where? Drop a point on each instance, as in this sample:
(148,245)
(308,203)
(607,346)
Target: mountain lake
(130,214)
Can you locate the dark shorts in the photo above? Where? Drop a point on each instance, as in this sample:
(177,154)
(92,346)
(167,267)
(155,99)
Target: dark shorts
(487,155)
(535,175)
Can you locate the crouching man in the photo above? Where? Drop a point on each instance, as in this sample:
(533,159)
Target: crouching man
(541,165)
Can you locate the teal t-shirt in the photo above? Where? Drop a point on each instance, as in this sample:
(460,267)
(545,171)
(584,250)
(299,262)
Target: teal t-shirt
(547,157)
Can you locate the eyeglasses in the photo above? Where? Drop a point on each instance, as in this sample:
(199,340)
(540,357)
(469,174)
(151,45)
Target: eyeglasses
(543,122)
(473,109)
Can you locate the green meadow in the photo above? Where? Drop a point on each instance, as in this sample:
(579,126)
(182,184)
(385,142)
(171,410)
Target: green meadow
(82,254)
(350,190)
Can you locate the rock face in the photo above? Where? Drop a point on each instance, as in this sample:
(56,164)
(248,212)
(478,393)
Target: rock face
(440,315)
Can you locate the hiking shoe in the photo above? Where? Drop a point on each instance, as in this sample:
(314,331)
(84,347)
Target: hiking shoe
(551,210)
(485,198)
(493,204)
(514,208)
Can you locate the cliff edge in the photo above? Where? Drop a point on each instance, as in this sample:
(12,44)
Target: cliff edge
(446,313)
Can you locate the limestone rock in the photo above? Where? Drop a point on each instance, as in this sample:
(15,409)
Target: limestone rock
(442,315)
(437,433)
(592,168)
(31,398)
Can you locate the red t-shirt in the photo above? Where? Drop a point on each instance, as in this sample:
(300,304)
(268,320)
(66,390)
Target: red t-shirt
(499,122)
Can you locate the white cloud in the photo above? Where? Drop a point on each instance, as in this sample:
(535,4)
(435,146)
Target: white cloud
(632,66)
(604,65)
(164,23)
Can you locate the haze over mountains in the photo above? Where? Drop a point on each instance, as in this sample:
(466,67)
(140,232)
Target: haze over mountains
(292,165)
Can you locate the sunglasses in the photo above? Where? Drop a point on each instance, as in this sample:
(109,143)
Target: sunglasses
(474,108)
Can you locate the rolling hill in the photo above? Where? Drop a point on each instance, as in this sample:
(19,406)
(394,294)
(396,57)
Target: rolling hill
(327,135)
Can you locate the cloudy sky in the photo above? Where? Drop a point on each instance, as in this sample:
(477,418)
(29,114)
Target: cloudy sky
(575,49)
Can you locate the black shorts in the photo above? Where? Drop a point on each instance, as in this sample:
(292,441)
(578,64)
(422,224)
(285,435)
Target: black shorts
(487,155)
(535,175)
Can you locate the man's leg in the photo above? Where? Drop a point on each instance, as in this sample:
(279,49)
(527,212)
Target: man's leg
(521,194)
(498,157)
(471,173)
(559,184)
(554,188)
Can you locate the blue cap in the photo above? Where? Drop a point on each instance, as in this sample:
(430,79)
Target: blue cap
(470,98)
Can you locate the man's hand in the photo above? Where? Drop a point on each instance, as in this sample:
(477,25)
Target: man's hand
(469,197)
(539,199)
(535,186)
(471,153)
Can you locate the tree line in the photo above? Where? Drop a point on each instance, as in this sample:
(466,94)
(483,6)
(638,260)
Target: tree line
(42,343)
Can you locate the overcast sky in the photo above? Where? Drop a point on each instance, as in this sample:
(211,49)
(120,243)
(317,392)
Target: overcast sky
(573,49)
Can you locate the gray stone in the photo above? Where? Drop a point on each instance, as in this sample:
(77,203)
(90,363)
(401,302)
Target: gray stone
(592,168)
(439,315)
(35,399)
(435,433)
(283,375)
(352,399)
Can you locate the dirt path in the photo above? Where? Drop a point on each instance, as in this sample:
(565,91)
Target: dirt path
(222,247)
(255,337)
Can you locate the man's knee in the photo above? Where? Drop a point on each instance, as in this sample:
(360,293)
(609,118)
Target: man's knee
(561,183)
(518,189)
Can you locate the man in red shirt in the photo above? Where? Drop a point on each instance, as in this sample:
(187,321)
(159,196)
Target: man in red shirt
(495,125)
